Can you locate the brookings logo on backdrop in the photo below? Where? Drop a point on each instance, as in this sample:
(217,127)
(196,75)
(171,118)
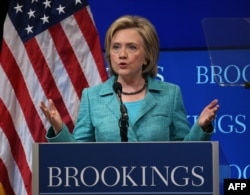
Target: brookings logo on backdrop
(230,74)
(226,123)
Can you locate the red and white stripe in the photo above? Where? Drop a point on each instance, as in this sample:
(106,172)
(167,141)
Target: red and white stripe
(58,63)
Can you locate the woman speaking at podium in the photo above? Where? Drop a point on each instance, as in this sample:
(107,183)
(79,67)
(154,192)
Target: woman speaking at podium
(132,105)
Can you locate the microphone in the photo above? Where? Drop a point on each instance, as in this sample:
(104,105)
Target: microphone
(123,122)
(117,87)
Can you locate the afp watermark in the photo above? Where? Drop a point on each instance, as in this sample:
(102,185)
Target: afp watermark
(236,186)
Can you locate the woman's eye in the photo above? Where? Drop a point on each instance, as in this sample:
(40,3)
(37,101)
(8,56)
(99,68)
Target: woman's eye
(132,47)
(115,47)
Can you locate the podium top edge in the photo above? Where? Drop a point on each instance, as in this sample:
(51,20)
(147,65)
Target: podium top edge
(163,142)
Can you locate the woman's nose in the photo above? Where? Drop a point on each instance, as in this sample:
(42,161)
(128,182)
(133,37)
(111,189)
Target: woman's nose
(123,53)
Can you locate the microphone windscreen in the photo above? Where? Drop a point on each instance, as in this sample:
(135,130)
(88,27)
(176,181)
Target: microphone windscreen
(117,87)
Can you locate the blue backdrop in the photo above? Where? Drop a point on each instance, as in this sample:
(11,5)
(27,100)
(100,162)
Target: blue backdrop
(192,71)
(185,60)
(178,22)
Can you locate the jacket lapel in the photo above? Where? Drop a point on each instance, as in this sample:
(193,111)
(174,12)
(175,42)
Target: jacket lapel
(147,105)
(149,101)
(112,102)
(114,106)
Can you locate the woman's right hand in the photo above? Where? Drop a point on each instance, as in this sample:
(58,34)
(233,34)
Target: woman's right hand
(52,115)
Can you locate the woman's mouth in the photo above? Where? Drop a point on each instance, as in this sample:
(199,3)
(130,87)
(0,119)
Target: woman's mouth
(123,65)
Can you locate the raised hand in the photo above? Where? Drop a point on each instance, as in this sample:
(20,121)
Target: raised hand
(52,115)
(208,113)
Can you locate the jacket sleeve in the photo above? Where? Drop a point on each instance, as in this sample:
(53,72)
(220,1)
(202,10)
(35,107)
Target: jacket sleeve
(83,131)
(181,127)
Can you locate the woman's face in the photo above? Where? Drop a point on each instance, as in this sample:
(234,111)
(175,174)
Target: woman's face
(127,54)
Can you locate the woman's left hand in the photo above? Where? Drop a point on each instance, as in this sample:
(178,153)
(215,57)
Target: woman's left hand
(208,114)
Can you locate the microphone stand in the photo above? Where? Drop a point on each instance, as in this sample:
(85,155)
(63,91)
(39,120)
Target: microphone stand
(123,122)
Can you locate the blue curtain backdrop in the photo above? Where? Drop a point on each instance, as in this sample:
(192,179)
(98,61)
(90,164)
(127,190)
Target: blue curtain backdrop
(185,60)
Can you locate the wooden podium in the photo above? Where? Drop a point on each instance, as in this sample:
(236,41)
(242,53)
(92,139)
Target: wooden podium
(126,168)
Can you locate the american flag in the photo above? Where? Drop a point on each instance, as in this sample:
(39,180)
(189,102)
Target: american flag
(50,49)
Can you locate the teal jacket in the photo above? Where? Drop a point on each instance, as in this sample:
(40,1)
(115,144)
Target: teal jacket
(162,117)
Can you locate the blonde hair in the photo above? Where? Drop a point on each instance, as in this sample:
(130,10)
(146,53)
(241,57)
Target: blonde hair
(149,36)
